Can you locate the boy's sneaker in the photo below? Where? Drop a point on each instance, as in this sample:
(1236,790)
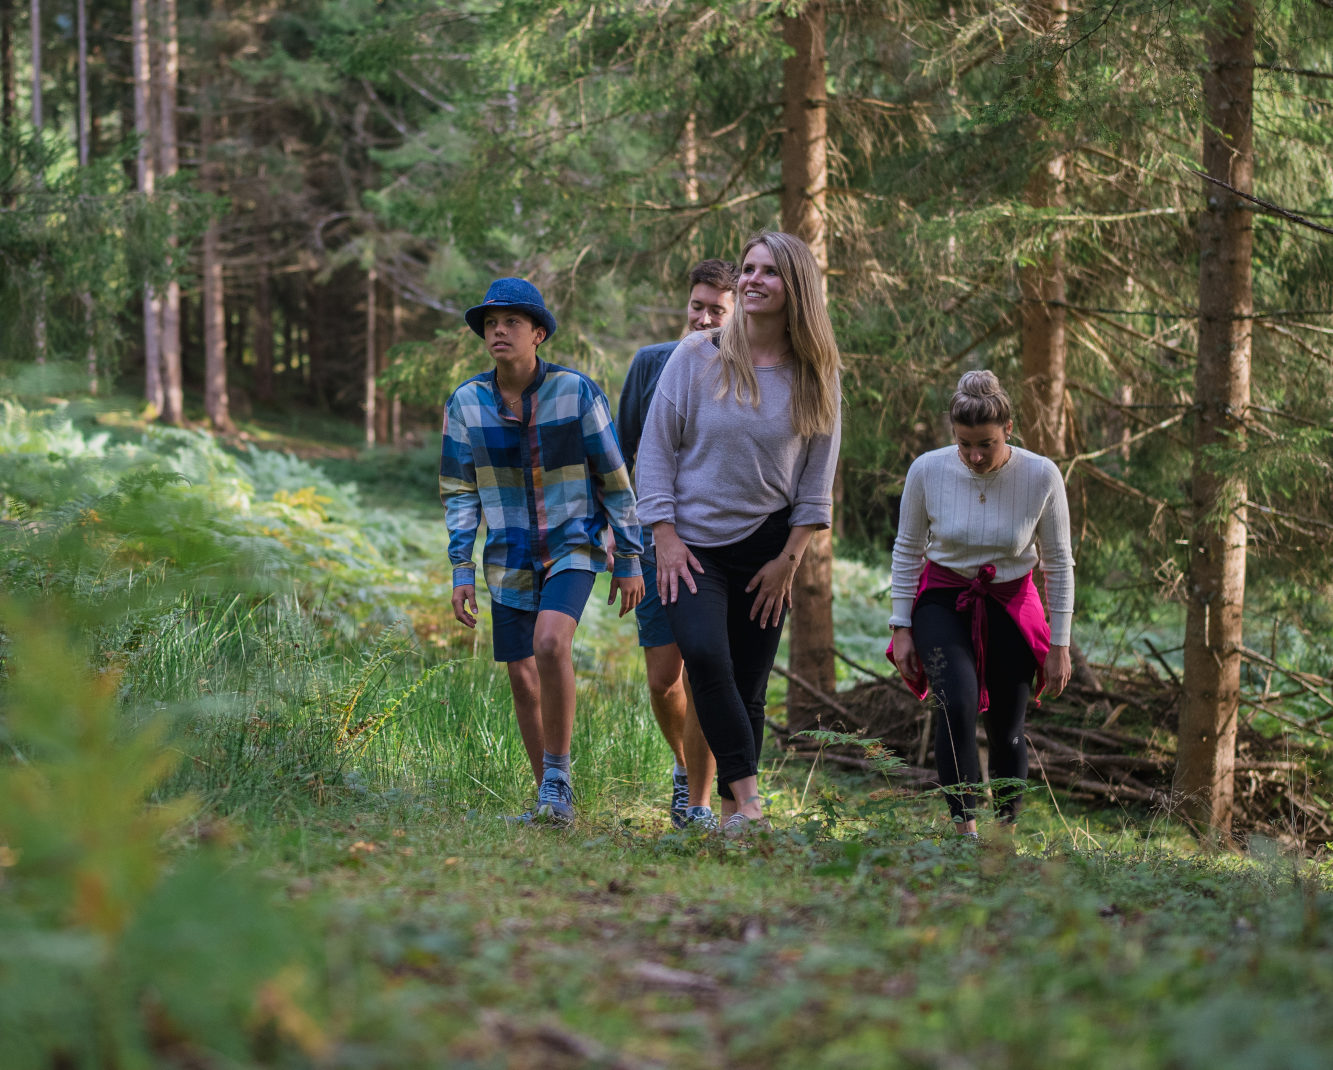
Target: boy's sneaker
(555,799)
(700,817)
(680,799)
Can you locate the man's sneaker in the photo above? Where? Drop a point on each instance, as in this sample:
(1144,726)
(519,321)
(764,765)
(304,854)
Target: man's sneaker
(680,800)
(700,817)
(555,799)
(738,826)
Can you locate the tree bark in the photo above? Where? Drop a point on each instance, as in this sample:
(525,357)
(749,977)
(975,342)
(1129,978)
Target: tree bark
(216,405)
(152,336)
(1206,755)
(804,184)
(173,395)
(1042,285)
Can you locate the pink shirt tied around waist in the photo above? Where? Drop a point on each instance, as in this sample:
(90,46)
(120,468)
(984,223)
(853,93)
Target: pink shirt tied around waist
(1019,598)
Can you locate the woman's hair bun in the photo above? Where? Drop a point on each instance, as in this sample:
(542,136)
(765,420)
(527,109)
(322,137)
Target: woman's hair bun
(981,383)
(980,399)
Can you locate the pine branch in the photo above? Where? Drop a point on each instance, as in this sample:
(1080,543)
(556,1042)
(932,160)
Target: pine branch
(1268,206)
(1276,69)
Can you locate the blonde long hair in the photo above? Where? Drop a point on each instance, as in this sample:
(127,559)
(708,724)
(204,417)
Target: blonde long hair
(814,387)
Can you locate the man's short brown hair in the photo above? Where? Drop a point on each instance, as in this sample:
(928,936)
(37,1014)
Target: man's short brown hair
(722,274)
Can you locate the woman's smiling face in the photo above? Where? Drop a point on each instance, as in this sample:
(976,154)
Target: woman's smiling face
(761,289)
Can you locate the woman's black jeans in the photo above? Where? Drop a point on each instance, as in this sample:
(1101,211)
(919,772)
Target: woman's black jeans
(727,655)
(943,638)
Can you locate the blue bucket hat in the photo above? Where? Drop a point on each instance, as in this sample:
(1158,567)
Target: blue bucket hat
(511,293)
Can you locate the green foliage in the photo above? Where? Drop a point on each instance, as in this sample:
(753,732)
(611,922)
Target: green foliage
(106,955)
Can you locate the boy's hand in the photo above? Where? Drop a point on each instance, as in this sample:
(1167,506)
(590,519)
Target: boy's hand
(465,596)
(631,592)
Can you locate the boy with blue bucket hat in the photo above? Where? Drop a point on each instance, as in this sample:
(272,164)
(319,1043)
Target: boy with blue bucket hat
(530,447)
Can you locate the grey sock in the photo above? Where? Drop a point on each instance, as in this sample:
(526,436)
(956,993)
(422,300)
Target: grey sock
(555,761)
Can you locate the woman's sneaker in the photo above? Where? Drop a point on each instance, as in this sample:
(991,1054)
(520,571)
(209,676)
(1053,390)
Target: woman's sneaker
(700,817)
(680,799)
(738,826)
(555,799)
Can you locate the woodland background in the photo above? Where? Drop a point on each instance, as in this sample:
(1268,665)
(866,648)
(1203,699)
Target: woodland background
(235,232)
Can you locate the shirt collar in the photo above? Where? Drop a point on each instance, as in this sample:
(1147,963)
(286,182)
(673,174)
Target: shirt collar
(530,388)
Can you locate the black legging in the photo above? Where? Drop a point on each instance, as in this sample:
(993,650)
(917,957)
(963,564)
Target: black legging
(727,655)
(943,639)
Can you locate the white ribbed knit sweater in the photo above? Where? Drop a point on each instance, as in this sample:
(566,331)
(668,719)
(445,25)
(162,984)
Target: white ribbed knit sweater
(1022,523)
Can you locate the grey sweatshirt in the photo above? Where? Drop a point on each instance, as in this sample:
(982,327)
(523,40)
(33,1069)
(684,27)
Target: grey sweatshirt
(715,467)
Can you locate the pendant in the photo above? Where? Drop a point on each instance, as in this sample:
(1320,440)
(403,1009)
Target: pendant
(982,497)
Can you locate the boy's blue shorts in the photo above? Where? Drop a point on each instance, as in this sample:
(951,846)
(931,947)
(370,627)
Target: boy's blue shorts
(512,629)
(650,614)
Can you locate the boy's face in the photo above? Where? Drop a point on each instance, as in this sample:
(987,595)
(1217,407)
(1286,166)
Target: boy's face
(708,307)
(511,336)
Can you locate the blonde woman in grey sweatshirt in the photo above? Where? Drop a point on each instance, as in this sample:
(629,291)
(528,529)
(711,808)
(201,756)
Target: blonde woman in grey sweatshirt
(735,475)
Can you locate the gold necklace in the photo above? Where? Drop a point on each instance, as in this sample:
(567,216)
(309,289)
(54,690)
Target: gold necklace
(986,477)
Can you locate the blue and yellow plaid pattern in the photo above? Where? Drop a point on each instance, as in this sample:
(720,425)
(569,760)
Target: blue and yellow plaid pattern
(547,484)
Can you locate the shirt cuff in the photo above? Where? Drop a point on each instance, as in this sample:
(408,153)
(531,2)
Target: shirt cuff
(1062,624)
(627,566)
(465,575)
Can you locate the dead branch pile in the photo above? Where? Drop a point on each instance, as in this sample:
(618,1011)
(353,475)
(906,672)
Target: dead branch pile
(1110,738)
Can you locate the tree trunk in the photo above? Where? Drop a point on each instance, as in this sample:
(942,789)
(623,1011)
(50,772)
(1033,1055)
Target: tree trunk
(9,101)
(264,316)
(396,336)
(1042,285)
(37,117)
(8,88)
(804,182)
(39,265)
(216,405)
(371,276)
(173,394)
(152,336)
(81,32)
(383,415)
(1206,755)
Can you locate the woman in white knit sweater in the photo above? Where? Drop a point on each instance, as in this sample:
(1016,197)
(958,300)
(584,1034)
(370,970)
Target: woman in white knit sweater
(976,518)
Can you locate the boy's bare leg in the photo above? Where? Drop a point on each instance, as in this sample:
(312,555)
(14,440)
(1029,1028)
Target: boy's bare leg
(699,762)
(667,697)
(524,684)
(553,646)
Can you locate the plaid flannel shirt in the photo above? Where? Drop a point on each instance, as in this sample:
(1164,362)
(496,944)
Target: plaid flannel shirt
(547,484)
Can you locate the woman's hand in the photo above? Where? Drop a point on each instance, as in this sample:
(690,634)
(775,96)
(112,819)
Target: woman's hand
(1058,670)
(674,562)
(774,583)
(904,653)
